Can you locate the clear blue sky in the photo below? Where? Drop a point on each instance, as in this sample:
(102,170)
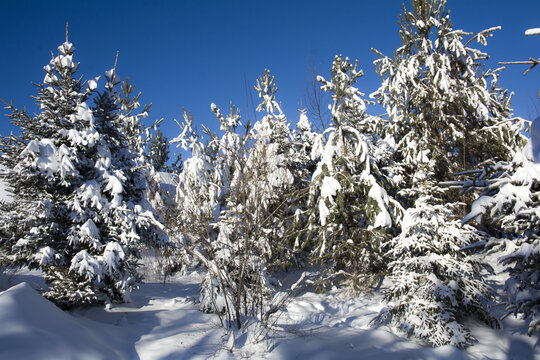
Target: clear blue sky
(192,53)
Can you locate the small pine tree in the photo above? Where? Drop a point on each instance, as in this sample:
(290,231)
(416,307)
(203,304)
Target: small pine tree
(231,204)
(351,215)
(435,285)
(158,151)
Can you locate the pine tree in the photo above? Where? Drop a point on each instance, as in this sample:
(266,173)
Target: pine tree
(435,284)
(446,114)
(509,200)
(441,101)
(351,214)
(198,192)
(76,190)
(158,151)
(303,166)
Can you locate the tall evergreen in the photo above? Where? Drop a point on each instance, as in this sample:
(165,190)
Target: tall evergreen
(446,114)
(76,190)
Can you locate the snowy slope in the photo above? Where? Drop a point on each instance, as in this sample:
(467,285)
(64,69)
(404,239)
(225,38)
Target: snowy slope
(163,322)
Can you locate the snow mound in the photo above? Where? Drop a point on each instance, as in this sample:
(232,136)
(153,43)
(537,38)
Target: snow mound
(34,328)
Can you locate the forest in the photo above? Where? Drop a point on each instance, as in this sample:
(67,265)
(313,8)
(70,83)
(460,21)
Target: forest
(422,205)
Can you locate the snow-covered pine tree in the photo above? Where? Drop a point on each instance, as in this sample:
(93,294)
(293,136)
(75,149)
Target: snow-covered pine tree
(351,214)
(236,285)
(158,151)
(435,285)
(140,138)
(73,181)
(132,118)
(440,100)
(303,139)
(273,166)
(445,115)
(509,200)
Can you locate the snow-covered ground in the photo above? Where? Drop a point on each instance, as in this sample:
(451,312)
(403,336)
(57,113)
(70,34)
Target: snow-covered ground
(163,322)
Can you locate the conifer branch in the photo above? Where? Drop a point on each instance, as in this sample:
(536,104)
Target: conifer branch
(533,62)
(116,60)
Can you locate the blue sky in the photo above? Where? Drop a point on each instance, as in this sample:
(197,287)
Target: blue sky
(192,53)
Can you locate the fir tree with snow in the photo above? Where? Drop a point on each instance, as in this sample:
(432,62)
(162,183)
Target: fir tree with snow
(303,167)
(509,201)
(351,214)
(74,181)
(140,138)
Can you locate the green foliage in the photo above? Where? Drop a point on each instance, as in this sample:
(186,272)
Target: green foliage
(158,151)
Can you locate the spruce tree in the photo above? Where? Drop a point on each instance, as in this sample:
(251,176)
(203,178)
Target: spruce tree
(76,190)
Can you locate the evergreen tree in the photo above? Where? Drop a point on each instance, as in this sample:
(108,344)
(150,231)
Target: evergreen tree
(76,190)
(442,103)
(351,214)
(178,165)
(509,200)
(158,151)
(139,137)
(446,114)
(303,166)
(435,284)
(198,192)
(231,205)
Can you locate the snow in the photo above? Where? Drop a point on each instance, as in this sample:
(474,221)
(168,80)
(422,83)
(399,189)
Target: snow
(535,31)
(32,327)
(329,188)
(4,190)
(163,322)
